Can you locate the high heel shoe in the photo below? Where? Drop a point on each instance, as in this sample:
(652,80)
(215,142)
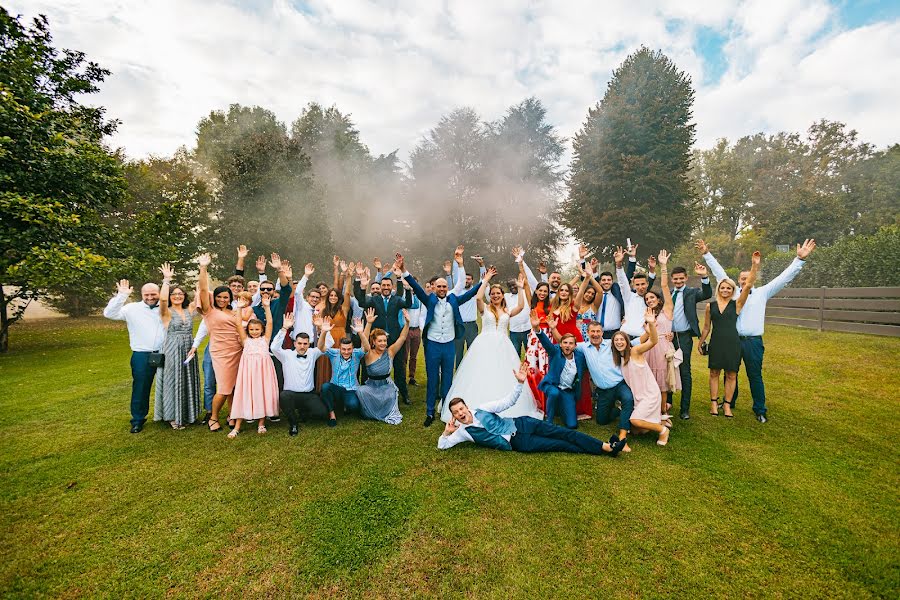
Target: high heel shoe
(718,407)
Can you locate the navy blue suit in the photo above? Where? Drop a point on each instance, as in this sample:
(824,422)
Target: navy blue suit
(557,398)
(440,357)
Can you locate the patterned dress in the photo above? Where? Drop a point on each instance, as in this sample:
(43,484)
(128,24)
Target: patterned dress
(378,397)
(538,361)
(177,384)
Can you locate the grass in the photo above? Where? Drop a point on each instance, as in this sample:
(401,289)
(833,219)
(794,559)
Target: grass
(804,506)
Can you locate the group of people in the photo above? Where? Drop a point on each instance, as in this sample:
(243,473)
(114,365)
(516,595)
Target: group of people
(605,346)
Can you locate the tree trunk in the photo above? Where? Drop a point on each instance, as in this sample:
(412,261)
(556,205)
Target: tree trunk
(4,323)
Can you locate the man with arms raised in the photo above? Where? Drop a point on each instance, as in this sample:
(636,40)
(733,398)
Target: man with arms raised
(145,335)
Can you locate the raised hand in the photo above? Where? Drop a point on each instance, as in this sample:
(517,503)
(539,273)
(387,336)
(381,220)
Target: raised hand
(582,251)
(275,261)
(397,271)
(701,270)
(516,251)
(489,274)
(521,374)
(632,251)
(405,316)
(479,259)
(448,267)
(260,264)
(243,251)
(649,316)
(552,320)
(204,259)
(458,254)
(287,270)
(542,266)
(594,264)
(326,325)
(520,282)
(451,426)
(399,261)
(651,263)
(357,326)
(535,319)
(317,320)
(588,270)
(701,246)
(124,287)
(619,256)
(308,269)
(376,262)
(241,303)
(756,258)
(806,249)
(167,271)
(360,269)
(336,260)
(370,315)
(343,266)
(266,301)
(663,257)
(288,320)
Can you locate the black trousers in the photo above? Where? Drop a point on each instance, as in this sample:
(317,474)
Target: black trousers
(305,405)
(686,343)
(400,372)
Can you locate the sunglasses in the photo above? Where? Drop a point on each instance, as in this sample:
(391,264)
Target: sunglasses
(267,289)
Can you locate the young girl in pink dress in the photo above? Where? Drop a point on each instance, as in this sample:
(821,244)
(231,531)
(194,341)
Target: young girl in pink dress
(256,388)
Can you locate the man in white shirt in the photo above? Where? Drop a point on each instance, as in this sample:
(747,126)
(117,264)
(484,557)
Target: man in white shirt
(468,310)
(752,320)
(299,368)
(633,325)
(485,427)
(145,335)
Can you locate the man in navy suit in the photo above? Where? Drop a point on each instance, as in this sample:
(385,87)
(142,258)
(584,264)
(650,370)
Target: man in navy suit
(443,326)
(562,382)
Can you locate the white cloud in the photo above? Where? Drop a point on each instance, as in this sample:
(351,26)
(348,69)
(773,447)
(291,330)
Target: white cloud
(398,66)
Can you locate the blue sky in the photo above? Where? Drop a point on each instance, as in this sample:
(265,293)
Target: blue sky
(757,65)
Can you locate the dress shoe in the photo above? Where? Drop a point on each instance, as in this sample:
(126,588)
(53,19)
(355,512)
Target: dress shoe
(294,430)
(413,383)
(685,416)
(762,418)
(332,422)
(136,428)
(407,401)
(274,419)
(429,419)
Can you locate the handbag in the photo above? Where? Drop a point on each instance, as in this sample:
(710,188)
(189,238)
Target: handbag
(156,359)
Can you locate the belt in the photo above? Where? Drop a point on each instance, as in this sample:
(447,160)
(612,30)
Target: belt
(749,337)
(379,377)
(683,332)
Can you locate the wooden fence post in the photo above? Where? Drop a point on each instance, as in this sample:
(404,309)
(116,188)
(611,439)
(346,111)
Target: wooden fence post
(821,307)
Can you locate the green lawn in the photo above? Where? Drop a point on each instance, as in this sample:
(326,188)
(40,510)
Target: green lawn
(804,506)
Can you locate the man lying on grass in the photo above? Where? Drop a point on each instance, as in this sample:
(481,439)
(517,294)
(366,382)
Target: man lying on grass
(523,434)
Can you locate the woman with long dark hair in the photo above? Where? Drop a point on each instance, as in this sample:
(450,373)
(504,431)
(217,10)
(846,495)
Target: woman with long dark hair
(224,340)
(538,360)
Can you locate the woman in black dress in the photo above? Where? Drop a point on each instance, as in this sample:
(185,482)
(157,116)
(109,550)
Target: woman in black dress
(724,345)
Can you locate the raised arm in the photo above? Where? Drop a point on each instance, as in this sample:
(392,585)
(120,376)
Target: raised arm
(337,271)
(267,309)
(325,326)
(714,266)
(364,336)
(459,272)
(203,283)
(705,288)
(521,297)
(242,253)
(748,286)
(668,305)
(167,273)
(644,346)
(536,328)
(394,348)
(275,346)
(238,324)
(786,276)
(624,283)
(498,406)
(114,310)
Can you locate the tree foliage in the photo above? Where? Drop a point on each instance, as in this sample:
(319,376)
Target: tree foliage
(631,158)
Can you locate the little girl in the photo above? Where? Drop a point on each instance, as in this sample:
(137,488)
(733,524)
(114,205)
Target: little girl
(256,388)
(247,311)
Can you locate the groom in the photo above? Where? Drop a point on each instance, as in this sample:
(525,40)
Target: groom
(443,326)
(523,434)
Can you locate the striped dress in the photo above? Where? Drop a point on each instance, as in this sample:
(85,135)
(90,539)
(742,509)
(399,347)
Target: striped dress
(177,385)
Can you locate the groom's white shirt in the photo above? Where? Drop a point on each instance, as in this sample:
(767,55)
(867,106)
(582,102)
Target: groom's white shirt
(498,406)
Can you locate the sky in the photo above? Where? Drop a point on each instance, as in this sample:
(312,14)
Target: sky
(397,66)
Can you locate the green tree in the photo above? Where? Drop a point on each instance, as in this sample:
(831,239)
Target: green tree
(631,159)
(267,197)
(57,180)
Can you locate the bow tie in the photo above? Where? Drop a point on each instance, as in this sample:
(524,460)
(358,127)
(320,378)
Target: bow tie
(152,307)
(301,356)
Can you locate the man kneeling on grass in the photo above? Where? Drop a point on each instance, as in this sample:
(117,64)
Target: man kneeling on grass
(523,434)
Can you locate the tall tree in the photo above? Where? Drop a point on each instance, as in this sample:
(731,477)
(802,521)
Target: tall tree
(267,197)
(631,158)
(57,180)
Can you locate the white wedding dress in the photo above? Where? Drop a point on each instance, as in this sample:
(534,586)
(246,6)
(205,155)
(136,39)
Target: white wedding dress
(486,372)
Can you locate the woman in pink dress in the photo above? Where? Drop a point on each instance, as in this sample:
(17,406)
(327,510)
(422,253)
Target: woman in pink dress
(224,343)
(639,377)
(660,357)
(256,389)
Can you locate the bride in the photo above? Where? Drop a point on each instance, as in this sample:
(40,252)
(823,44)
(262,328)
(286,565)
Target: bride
(486,372)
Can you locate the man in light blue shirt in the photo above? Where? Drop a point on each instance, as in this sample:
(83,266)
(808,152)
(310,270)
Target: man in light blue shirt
(609,382)
(752,320)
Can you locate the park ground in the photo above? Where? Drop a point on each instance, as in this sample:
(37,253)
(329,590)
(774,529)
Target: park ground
(804,506)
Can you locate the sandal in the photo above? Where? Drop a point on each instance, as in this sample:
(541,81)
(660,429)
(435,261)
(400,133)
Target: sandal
(216,423)
(176,426)
(731,416)
(661,441)
(233,433)
(718,407)
(261,429)
(231,423)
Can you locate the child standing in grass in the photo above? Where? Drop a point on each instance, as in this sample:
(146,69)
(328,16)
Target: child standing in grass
(256,388)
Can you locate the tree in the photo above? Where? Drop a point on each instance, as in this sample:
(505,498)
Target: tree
(57,180)
(631,158)
(267,197)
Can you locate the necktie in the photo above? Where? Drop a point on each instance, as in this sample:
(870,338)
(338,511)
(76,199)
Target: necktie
(675,295)
(385,305)
(603,310)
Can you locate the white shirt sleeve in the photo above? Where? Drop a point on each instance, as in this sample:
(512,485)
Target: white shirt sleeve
(714,266)
(275,346)
(115,309)
(786,276)
(257,297)
(459,285)
(532,280)
(624,284)
(498,406)
(445,442)
(202,332)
